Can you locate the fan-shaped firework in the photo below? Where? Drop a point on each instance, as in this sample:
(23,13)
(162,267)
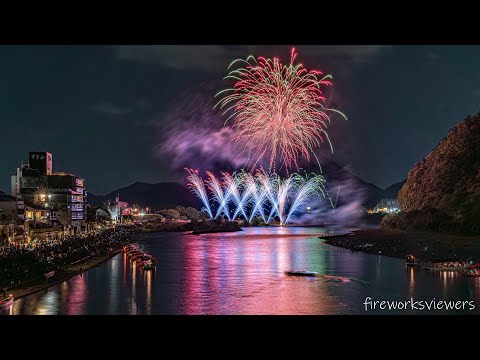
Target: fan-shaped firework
(256,196)
(277,110)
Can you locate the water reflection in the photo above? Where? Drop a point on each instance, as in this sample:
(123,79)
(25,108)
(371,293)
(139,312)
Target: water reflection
(411,283)
(244,273)
(77,295)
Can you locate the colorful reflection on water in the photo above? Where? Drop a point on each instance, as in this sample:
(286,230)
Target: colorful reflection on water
(244,273)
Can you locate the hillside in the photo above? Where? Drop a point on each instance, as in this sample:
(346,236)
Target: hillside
(156,196)
(343,186)
(446,183)
(391,192)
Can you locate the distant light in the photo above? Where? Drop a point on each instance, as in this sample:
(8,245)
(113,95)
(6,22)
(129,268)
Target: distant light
(46,205)
(308,208)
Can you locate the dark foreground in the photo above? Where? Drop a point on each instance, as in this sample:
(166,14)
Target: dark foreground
(395,243)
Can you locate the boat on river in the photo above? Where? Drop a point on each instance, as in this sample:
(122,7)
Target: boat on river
(7,302)
(472,270)
(301,273)
(447,265)
(150,263)
(410,260)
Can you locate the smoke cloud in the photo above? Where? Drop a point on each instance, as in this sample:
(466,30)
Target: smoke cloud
(193,134)
(347,199)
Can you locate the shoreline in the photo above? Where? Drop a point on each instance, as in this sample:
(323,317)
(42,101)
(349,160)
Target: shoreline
(69,272)
(426,246)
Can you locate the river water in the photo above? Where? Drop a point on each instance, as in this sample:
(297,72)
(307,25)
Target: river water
(244,273)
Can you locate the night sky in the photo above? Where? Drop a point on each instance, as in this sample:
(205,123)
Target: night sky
(99,109)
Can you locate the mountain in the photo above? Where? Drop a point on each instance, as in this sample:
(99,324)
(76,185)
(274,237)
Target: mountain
(95,200)
(156,196)
(446,183)
(391,192)
(342,185)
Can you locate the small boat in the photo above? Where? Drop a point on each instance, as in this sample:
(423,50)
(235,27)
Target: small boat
(472,270)
(410,260)
(447,265)
(301,273)
(7,302)
(150,264)
(49,274)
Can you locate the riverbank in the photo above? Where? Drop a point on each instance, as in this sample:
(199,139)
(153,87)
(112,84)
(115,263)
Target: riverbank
(24,267)
(426,246)
(78,268)
(197,227)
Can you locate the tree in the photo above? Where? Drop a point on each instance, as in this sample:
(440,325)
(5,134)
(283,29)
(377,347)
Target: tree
(171,214)
(193,214)
(181,210)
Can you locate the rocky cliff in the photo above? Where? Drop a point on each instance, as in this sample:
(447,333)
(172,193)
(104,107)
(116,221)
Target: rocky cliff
(448,179)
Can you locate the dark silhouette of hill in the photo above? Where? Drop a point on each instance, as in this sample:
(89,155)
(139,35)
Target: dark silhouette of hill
(95,200)
(172,194)
(338,178)
(442,191)
(156,196)
(391,192)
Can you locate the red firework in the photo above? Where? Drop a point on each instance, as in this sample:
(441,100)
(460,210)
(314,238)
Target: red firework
(278,111)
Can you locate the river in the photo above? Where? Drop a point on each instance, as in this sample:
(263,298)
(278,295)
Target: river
(244,273)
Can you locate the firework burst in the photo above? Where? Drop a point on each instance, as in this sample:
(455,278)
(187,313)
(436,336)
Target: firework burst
(277,110)
(243,194)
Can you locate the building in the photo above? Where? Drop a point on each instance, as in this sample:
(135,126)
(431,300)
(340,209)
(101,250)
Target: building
(53,198)
(386,206)
(13,222)
(102,214)
(113,210)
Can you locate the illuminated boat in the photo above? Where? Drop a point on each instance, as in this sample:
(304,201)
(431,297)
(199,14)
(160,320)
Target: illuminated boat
(410,260)
(448,265)
(136,257)
(472,270)
(7,302)
(150,263)
(301,273)
(135,254)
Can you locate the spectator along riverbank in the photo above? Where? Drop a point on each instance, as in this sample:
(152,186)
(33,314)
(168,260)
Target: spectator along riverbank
(28,268)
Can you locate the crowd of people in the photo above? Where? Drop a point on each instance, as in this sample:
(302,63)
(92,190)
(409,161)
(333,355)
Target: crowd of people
(22,262)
